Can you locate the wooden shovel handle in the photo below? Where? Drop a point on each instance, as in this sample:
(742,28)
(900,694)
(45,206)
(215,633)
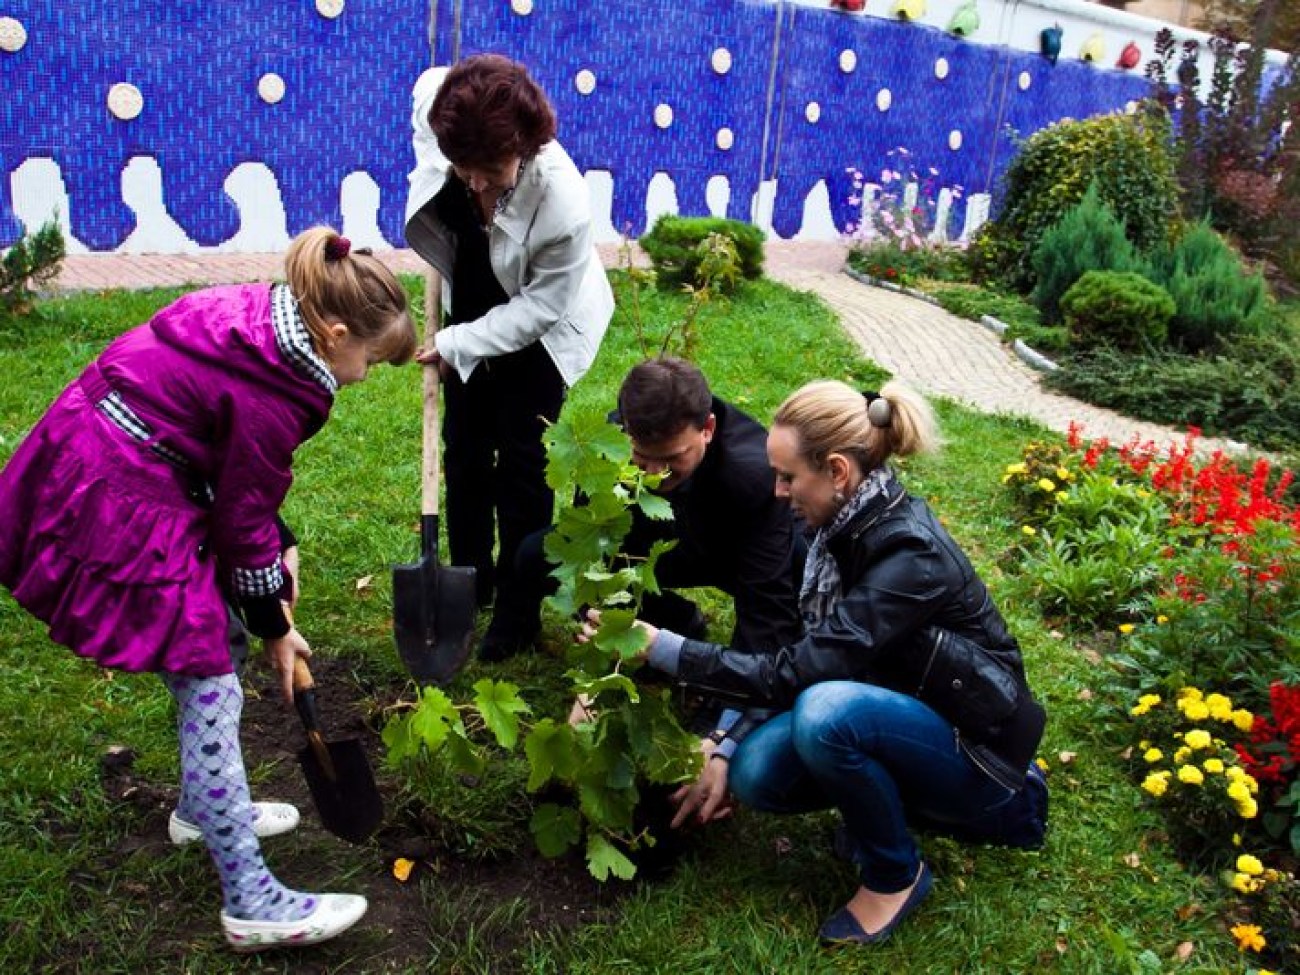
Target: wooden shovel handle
(429,453)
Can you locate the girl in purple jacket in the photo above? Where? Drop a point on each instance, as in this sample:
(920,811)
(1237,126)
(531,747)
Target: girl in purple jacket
(149,491)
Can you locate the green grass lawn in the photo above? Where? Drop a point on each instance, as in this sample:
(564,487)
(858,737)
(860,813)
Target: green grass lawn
(1104,896)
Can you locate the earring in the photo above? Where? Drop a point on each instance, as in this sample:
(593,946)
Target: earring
(838,498)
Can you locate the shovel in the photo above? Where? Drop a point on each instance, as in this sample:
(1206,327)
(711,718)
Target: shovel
(337,772)
(434,605)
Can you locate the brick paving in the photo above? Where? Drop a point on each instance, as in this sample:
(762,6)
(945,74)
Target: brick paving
(937,353)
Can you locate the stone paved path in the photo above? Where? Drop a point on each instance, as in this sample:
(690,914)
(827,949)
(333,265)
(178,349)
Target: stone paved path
(937,353)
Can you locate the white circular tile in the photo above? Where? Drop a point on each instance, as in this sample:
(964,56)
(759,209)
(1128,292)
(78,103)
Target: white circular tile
(954,139)
(1024,81)
(941,68)
(884,98)
(663,115)
(522,7)
(329,8)
(848,60)
(585,81)
(812,112)
(725,139)
(125,101)
(721,60)
(270,88)
(13,35)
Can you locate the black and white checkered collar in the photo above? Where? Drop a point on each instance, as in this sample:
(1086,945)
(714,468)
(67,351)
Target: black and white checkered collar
(294,341)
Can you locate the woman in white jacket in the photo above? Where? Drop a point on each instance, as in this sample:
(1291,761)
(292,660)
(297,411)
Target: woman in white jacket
(500,210)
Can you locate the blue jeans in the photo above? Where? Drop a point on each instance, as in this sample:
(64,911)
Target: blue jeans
(882,758)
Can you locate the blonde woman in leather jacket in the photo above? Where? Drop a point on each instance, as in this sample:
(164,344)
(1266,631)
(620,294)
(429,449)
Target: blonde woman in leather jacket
(905,700)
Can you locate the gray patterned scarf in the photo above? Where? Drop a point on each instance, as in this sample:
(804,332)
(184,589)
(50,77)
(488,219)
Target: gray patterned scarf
(821,588)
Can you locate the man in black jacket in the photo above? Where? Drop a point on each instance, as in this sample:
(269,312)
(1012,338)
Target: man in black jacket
(732,532)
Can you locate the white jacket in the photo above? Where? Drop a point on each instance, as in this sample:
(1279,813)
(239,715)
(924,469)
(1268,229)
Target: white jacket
(541,251)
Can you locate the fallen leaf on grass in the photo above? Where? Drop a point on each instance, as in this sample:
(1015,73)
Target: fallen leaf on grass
(1132,860)
(1085,694)
(1184,951)
(1067,757)
(1188,911)
(364,582)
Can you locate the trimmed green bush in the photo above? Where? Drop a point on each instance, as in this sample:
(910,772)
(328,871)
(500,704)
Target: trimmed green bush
(1121,309)
(1216,299)
(674,247)
(1088,238)
(1251,395)
(1128,157)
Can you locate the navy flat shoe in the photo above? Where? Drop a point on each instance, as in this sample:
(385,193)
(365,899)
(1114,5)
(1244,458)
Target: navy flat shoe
(842,928)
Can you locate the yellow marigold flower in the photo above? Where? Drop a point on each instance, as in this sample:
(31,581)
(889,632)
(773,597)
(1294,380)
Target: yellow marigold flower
(1213,765)
(1248,809)
(1243,719)
(1194,710)
(1190,694)
(1238,791)
(1126,628)
(1156,783)
(1220,707)
(1236,839)
(1191,775)
(1063,474)
(1028,530)
(1020,468)
(1182,755)
(1249,936)
(1153,755)
(1248,864)
(1197,739)
(1244,884)
(1150,700)
(1046,484)
(1162,619)
(1062,497)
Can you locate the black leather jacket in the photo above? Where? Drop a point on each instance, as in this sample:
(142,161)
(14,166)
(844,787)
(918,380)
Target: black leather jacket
(914,618)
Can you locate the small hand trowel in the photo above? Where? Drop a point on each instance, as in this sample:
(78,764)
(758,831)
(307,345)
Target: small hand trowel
(337,772)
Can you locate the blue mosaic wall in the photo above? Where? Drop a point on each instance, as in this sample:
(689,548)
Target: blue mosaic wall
(348,79)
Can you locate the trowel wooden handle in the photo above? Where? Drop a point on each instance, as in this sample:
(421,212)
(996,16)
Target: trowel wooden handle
(302,678)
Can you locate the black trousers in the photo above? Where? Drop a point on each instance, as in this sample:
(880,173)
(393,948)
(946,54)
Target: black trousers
(495,464)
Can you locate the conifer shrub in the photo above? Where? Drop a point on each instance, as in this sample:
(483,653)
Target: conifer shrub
(29,265)
(674,247)
(1216,299)
(1121,309)
(1089,237)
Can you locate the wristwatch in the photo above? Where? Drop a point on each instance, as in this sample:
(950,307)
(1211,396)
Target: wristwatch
(717,735)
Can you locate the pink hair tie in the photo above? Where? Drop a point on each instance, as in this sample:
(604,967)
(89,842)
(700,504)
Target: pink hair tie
(337,248)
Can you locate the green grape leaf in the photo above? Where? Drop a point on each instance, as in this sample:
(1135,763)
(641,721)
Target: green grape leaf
(653,506)
(587,450)
(552,752)
(592,686)
(555,829)
(499,703)
(606,807)
(400,742)
(462,754)
(603,859)
(646,570)
(619,634)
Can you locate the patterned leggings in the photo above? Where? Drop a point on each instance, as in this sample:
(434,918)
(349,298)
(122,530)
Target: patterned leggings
(214,796)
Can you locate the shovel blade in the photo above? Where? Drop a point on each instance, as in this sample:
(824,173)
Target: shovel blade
(348,801)
(434,607)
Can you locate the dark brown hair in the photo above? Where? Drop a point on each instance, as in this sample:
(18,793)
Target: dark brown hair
(488,110)
(662,397)
(354,288)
